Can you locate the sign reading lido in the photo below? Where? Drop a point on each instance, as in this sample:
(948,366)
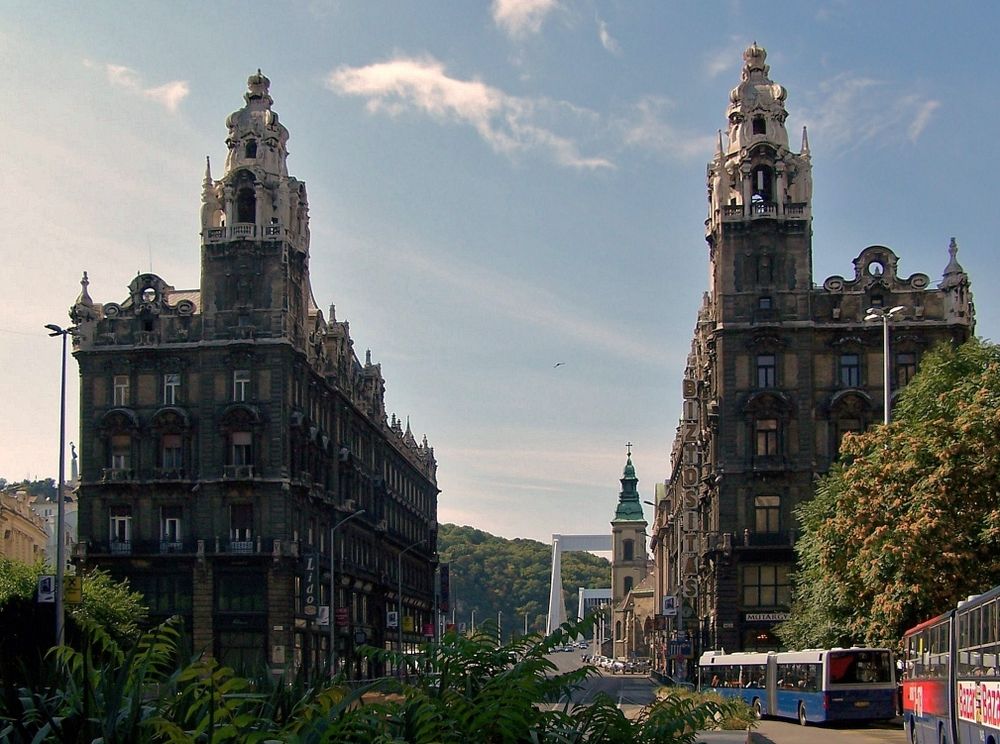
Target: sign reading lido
(766,617)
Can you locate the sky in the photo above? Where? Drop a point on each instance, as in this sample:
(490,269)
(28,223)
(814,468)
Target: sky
(496,188)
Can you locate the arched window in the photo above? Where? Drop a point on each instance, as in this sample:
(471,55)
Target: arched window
(759,125)
(628,550)
(628,584)
(251,149)
(762,183)
(246,205)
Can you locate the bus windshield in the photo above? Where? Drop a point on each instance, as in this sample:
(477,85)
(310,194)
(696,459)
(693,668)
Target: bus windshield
(860,667)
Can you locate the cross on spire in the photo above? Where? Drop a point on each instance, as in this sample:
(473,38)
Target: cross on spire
(628,448)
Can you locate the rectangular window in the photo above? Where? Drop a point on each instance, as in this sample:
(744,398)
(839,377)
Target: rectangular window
(766,371)
(172,455)
(906,367)
(850,370)
(766,586)
(170,524)
(241,385)
(171,388)
(767,513)
(121,524)
(121,451)
(121,388)
(241,522)
(242,448)
(764,303)
(847,426)
(766,437)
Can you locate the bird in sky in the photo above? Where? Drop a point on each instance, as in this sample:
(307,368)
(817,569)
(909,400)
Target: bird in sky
(558,364)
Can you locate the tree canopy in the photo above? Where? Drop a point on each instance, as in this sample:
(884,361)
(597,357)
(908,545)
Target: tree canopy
(908,523)
(490,574)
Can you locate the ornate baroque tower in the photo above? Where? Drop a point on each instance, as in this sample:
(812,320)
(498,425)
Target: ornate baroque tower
(779,371)
(255,231)
(238,465)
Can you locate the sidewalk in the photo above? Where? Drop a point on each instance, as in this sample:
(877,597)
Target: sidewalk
(724,737)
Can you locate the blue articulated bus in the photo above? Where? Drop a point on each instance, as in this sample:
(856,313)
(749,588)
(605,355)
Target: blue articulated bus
(815,686)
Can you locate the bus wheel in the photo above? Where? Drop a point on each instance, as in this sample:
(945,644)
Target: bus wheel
(802,716)
(756,709)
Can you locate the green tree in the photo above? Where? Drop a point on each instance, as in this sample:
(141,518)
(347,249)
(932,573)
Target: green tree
(27,628)
(909,522)
(491,574)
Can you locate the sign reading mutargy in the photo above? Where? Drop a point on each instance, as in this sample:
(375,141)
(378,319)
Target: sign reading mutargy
(766,617)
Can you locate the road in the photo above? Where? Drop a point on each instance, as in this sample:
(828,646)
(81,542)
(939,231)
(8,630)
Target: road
(632,691)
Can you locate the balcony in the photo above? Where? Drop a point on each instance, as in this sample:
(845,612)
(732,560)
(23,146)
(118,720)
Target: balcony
(172,474)
(171,546)
(767,539)
(238,472)
(244,231)
(121,547)
(117,475)
(242,547)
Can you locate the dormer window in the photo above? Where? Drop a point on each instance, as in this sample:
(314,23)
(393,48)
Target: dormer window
(251,149)
(759,125)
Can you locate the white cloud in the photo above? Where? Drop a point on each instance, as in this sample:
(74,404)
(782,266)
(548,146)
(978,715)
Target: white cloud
(169,95)
(518,18)
(849,111)
(533,305)
(648,128)
(720,62)
(607,40)
(924,112)
(507,123)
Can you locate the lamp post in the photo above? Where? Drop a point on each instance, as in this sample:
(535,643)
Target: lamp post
(885,315)
(499,627)
(399,595)
(333,589)
(473,622)
(60,503)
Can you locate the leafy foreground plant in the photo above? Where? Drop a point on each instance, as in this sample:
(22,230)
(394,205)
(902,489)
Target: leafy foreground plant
(468,690)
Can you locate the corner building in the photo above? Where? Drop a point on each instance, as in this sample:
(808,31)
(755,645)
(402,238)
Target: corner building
(235,449)
(779,370)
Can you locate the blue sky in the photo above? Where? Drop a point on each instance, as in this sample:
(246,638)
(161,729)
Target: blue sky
(494,187)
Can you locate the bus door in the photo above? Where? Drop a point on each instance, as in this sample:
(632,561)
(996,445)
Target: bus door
(771,701)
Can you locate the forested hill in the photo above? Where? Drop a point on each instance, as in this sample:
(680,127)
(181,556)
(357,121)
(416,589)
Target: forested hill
(491,574)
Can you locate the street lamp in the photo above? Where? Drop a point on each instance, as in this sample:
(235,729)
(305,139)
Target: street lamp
(881,313)
(60,504)
(473,622)
(332,619)
(399,596)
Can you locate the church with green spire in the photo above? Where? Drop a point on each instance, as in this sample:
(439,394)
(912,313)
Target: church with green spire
(628,536)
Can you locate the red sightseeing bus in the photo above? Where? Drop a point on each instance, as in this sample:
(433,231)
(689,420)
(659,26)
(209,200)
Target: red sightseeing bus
(951,680)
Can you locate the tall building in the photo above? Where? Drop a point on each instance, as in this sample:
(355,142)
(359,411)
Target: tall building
(22,531)
(234,449)
(779,370)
